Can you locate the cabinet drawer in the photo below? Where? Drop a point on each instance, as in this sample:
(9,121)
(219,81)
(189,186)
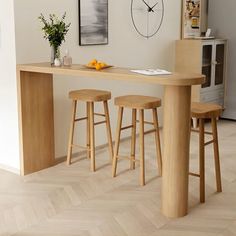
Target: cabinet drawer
(212,95)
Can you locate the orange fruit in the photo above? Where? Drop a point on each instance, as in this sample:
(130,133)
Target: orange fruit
(90,64)
(98,66)
(103,64)
(93,62)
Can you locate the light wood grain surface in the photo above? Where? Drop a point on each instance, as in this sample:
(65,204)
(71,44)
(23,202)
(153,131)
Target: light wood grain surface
(176,153)
(138,102)
(178,88)
(205,110)
(180,79)
(36,121)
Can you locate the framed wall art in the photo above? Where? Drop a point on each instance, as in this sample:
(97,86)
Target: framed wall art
(191,18)
(93,22)
(194,18)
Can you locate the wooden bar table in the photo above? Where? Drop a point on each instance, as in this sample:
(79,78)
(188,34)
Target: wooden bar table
(35,91)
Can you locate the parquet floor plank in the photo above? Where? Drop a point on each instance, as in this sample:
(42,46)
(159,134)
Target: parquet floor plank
(72,201)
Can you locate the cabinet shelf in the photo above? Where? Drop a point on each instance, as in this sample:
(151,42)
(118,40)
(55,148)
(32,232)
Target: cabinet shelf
(206,65)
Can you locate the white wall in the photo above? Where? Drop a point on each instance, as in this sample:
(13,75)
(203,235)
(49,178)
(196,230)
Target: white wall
(125,48)
(9,137)
(222,20)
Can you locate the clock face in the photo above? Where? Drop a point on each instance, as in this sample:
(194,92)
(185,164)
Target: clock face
(147,16)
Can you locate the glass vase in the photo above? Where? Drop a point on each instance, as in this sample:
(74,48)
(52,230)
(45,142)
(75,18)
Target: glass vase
(55,53)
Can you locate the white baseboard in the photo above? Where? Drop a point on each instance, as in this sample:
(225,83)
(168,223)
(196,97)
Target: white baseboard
(63,158)
(10,169)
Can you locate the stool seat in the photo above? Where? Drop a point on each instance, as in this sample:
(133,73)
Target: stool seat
(205,110)
(90,95)
(138,102)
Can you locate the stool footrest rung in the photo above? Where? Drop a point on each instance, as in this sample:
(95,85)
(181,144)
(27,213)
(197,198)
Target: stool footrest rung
(127,158)
(131,126)
(197,131)
(150,131)
(210,142)
(79,146)
(100,122)
(80,119)
(146,122)
(126,127)
(123,157)
(194,174)
(99,114)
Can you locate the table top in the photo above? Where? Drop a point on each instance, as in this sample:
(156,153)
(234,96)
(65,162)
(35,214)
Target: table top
(115,73)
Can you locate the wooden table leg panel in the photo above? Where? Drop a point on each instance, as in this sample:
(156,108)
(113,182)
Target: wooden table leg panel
(36,121)
(176,144)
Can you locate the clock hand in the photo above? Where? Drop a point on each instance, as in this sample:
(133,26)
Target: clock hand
(153,6)
(149,8)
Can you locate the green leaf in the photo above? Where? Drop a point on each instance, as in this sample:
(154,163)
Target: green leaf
(54,29)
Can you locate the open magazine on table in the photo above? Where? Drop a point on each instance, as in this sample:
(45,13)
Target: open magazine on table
(152,72)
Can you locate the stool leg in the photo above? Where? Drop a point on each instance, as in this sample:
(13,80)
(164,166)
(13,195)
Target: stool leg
(108,126)
(158,141)
(71,133)
(216,155)
(141,147)
(194,123)
(88,131)
(117,141)
(202,159)
(133,139)
(92,138)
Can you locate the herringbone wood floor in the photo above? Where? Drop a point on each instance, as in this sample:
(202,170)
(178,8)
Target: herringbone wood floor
(66,201)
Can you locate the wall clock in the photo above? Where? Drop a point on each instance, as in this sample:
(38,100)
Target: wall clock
(147,16)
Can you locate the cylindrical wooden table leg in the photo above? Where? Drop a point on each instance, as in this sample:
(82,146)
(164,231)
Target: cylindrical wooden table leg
(177,102)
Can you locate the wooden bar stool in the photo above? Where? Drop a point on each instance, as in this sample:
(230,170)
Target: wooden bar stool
(203,111)
(90,96)
(140,103)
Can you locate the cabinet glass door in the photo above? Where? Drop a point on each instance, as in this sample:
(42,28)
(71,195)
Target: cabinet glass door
(207,64)
(219,64)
